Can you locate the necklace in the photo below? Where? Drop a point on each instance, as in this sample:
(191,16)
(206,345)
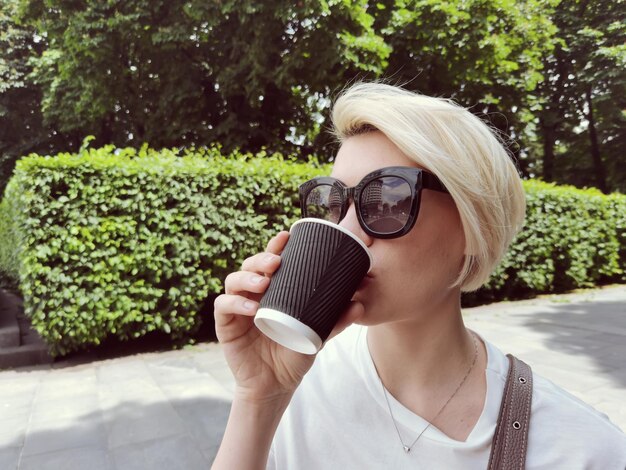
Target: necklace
(407,448)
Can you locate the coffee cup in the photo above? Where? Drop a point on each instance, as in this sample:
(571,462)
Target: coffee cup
(321,268)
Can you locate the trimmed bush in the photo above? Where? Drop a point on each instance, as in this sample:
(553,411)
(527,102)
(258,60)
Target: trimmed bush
(9,267)
(572,238)
(123,242)
(617,214)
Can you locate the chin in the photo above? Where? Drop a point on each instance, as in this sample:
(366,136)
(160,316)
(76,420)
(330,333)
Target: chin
(371,316)
(367,321)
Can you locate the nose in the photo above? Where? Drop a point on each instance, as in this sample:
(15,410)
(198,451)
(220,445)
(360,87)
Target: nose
(351,222)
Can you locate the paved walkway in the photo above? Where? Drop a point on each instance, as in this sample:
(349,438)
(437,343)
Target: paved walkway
(168,410)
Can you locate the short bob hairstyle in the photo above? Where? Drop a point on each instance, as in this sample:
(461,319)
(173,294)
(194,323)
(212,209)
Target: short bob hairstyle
(458,147)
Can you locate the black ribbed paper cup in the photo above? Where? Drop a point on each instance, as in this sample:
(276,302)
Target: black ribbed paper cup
(321,268)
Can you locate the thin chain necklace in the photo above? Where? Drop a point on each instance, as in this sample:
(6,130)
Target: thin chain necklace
(407,449)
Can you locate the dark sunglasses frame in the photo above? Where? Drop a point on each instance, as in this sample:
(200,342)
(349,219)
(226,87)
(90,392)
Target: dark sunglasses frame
(417,179)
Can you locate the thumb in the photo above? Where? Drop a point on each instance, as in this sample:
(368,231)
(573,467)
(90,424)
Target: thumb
(354,311)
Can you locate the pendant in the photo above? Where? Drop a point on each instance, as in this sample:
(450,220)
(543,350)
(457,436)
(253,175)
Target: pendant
(407,449)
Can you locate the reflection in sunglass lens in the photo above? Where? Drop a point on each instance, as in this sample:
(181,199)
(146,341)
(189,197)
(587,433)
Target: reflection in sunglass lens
(386,204)
(324,202)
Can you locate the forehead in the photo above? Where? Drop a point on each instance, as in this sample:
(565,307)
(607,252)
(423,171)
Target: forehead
(364,153)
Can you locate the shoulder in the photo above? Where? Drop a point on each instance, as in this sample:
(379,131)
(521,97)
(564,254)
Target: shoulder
(565,428)
(551,402)
(574,429)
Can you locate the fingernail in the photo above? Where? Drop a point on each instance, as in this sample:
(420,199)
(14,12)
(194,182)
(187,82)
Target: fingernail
(248,305)
(257,279)
(269,258)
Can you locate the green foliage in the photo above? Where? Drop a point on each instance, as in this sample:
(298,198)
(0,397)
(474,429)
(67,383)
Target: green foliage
(9,265)
(223,72)
(582,116)
(124,242)
(572,238)
(252,75)
(548,74)
(617,213)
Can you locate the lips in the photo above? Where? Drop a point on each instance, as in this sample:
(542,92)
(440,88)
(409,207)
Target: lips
(366,280)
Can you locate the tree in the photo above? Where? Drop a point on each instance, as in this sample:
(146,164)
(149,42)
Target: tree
(583,118)
(485,54)
(172,73)
(21,123)
(548,74)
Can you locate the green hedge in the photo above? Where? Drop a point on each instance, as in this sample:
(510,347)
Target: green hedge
(9,267)
(123,242)
(572,238)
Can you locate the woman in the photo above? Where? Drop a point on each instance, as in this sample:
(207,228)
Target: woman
(407,385)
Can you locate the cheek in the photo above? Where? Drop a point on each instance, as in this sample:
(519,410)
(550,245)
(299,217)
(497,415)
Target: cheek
(432,255)
(425,261)
(441,231)
(449,247)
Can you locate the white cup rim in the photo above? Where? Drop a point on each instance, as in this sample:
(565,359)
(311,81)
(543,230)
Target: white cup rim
(341,229)
(287,331)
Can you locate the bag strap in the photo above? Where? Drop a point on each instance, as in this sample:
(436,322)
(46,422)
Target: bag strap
(508,449)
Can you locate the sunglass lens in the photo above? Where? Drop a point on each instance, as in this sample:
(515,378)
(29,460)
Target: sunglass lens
(324,202)
(386,204)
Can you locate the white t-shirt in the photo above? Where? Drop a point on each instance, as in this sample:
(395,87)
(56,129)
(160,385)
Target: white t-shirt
(338,419)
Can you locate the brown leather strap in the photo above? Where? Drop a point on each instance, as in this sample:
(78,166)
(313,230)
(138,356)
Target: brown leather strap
(508,449)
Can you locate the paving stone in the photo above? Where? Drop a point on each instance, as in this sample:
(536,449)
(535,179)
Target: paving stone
(176,370)
(174,453)
(9,457)
(12,381)
(618,378)
(12,432)
(614,340)
(206,386)
(569,361)
(205,419)
(169,409)
(223,375)
(182,361)
(67,408)
(136,423)
(211,359)
(15,394)
(211,452)
(15,408)
(140,390)
(83,458)
(64,434)
(66,385)
(121,371)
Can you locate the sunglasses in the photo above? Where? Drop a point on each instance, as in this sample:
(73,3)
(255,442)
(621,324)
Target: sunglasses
(387,201)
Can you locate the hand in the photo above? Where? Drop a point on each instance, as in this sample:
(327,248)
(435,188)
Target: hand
(263,369)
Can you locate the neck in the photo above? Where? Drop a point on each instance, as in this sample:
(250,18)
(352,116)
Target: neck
(421,362)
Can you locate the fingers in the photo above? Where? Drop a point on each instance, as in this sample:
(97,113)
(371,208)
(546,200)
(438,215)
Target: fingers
(277,244)
(226,306)
(243,289)
(245,281)
(267,263)
(256,270)
(262,263)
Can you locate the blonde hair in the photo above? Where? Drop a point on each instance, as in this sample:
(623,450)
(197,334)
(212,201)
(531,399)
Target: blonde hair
(458,147)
